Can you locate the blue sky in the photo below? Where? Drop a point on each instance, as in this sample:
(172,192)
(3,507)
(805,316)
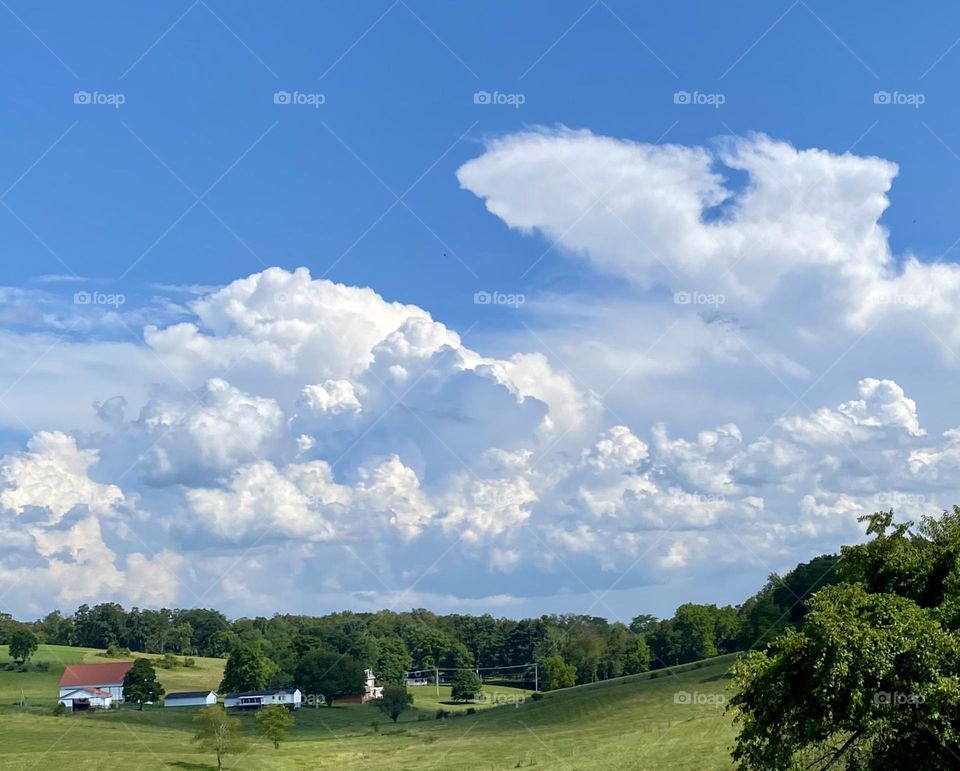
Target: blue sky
(398,82)
(392,175)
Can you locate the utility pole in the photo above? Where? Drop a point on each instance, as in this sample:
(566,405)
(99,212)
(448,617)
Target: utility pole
(436,679)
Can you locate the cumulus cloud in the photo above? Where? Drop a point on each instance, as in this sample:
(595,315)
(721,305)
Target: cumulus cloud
(213,431)
(357,441)
(53,475)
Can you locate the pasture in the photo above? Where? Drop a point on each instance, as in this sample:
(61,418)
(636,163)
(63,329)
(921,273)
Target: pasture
(673,720)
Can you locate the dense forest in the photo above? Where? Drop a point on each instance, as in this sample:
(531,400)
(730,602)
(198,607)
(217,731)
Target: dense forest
(570,648)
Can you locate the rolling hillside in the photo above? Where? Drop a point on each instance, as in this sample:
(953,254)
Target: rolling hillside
(673,720)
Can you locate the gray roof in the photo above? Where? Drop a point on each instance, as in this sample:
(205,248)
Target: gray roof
(272,692)
(187,694)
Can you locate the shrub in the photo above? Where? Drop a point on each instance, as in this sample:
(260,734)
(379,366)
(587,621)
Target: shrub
(60,709)
(114,651)
(536,696)
(189,662)
(42,666)
(471,710)
(442,714)
(375,725)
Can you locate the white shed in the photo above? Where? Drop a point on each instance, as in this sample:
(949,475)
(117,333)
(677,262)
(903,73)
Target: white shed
(259,699)
(190,699)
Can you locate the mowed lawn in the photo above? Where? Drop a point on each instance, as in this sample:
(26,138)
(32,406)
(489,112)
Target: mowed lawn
(675,720)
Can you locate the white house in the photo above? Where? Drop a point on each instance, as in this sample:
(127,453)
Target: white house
(190,699)
(416,678)
(371,689)
(97,686)
(260,699)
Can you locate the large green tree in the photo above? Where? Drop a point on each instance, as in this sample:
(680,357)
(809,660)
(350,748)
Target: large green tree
(394,700)
(329,674)
(466,685)
(393,660)
(246,670)
(871,678)
(274,723)
(140,684)
(23,644)
(558,673)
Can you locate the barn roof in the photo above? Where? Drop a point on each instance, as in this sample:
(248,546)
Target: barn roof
(95,674)
(187,694)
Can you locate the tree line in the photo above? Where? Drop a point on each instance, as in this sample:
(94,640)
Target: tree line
(570,649)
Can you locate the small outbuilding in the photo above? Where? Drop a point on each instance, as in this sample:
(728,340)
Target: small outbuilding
(190,699)
(286,697)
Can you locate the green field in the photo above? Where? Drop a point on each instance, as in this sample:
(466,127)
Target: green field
(629,723)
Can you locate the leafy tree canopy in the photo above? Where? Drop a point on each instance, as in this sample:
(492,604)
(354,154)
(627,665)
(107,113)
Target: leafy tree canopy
(871,679)
(394,701)
(329,674)
(274,723)
(466,685)
(23,644)
(140,684)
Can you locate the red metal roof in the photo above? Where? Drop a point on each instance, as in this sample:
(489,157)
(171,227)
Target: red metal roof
(95,674)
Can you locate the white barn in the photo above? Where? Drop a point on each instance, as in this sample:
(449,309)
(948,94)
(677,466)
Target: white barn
(85,698)
(96,686)
(260,699)
(190,699)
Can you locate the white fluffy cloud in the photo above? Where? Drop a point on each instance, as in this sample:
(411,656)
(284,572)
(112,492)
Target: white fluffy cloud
(362,446)
(214,430)
(53,475)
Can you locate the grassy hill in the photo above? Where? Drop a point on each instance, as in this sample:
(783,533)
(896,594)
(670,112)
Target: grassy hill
(41,689)
(672,720)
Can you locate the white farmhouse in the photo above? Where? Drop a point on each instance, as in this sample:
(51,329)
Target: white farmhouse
(260,699)
(93,686)
(371,689)
(190,699)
